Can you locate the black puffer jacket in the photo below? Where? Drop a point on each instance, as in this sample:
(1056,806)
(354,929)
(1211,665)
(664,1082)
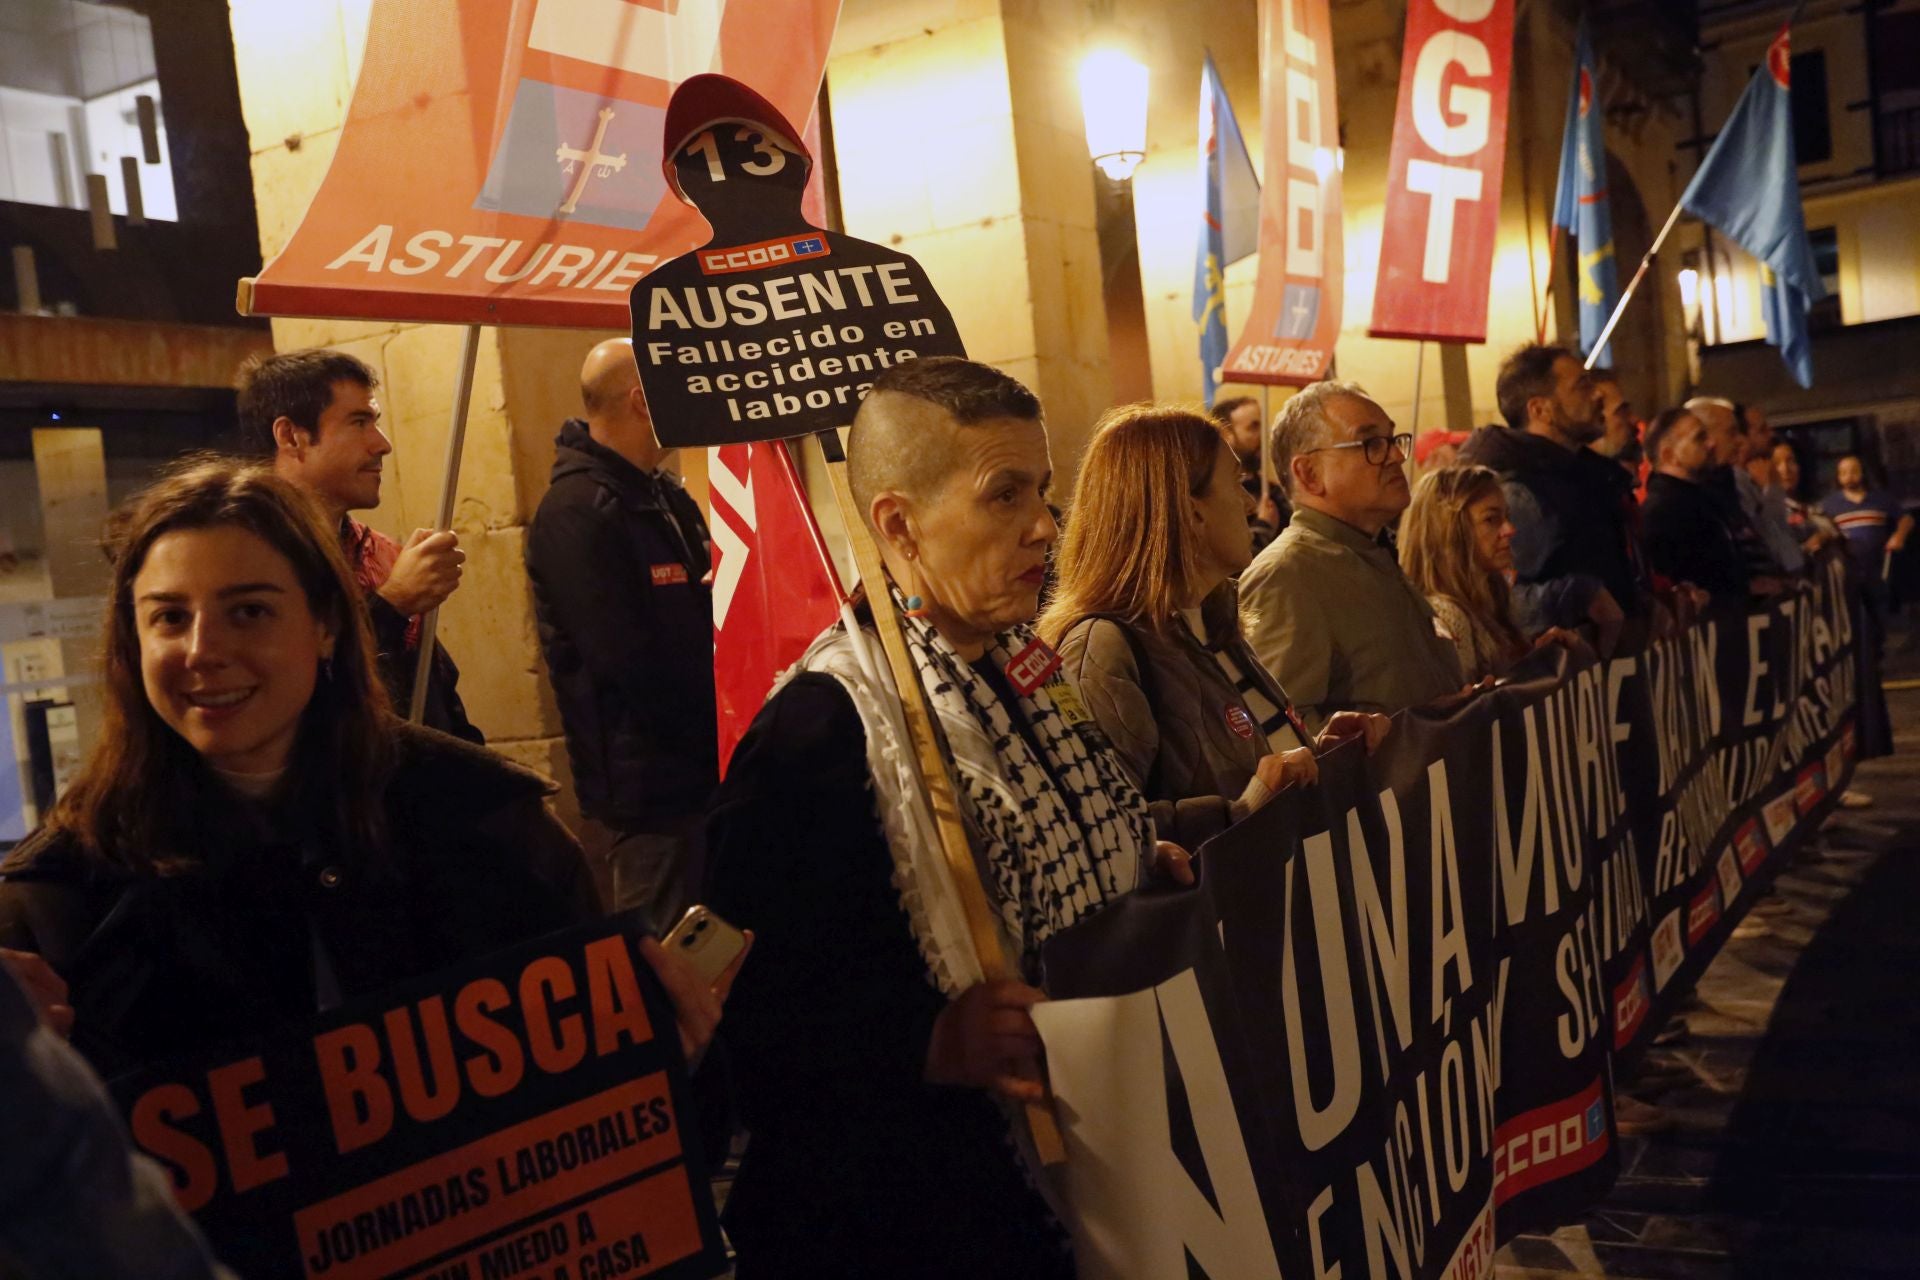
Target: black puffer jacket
(232,945)
(1573,518)
(618,559)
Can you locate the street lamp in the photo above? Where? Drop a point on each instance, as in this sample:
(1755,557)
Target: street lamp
(1113,99)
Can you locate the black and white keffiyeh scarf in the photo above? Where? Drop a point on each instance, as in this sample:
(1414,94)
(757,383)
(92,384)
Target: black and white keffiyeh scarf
(1060,837)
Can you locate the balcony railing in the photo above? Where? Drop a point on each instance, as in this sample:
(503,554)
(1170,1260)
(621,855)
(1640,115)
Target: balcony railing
(1898,140)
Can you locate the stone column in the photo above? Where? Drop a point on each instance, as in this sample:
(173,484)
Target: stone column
(958,137)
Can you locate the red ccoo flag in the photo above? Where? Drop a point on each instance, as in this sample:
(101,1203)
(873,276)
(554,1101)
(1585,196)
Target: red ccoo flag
(774,589)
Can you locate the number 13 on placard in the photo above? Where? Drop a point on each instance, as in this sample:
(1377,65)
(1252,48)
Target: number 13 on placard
(773,158)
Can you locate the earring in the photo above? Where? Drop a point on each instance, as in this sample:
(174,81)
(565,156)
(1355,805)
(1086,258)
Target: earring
(326,670)
(916,604)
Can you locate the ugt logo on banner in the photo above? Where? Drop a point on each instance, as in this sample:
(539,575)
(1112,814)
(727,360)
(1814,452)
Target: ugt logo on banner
(1443,181)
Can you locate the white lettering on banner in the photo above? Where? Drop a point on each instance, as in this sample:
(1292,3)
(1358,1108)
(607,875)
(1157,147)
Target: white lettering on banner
(1757,624)
(1460,125)
(1400,1194)
(668,43)
(1577,973)
(1137,1208)
(1517,851)
(1299,43)
(735,491)
(1447,185)
(1383,928)
(1305,253)
(1265,358)
(576,266)
(1449,944)
(1320,1125)
(787,298)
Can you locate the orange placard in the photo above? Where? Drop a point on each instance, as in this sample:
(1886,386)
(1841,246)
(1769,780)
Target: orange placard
(500,162)
(1294,321)
(512,1114)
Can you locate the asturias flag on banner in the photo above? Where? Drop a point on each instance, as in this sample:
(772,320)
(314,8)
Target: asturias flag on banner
(500,161)
(1229,221)
(1580,204)
(1749,187)
(772,593)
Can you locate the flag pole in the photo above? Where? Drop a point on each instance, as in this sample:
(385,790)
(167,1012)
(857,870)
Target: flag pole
(1627,295)
(982,926)
(1419,374)
(449,489)
(791,471)
(1542,299)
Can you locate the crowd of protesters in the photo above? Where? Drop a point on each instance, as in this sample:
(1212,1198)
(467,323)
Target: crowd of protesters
(258,837)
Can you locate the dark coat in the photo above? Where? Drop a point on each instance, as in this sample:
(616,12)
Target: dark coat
(1689,538)
(165,964)
(618,558)
(396,641)
(855,1165)
(1573,518)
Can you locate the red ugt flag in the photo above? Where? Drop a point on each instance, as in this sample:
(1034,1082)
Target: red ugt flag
(773,588)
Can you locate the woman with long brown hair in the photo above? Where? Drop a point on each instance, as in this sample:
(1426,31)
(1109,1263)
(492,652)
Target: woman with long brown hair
(1456,547)
(255,836)
(1145,615)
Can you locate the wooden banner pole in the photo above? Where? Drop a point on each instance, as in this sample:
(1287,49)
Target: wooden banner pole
(449,490)
(981,922)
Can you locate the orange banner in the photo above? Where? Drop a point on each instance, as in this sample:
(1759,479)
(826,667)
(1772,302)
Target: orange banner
(500,161)
(1289,335)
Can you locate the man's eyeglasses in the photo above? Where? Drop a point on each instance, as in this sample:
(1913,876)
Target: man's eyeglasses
(1378,448)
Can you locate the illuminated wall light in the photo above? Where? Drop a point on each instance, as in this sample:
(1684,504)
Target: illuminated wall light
(1113,99)
(1689,288)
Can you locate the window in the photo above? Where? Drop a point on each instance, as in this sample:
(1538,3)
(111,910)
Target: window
(1812,133)
(79,95)
(1825,243)
(1896,82)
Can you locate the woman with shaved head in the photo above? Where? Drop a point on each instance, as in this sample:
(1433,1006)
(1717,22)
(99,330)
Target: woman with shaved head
(872,1054)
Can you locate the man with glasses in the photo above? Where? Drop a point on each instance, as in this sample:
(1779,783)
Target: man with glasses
(1326,606)
(1575,557)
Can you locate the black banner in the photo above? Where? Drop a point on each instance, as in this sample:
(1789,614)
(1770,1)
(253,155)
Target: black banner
(774,327)
(526,1115)
(1382,1032)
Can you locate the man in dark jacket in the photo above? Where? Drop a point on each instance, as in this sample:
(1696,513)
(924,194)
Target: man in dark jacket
(315,415)
(618,557)
(1268,510)
(1688,535)
(1574,553)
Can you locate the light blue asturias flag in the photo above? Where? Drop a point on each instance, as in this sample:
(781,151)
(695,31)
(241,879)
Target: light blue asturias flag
(1229,222)
(1580,205)
(1749,187)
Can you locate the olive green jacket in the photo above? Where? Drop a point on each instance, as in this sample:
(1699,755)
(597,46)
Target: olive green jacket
(1329,613)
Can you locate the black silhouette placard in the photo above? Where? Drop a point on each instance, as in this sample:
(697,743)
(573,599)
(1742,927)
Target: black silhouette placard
(774,327)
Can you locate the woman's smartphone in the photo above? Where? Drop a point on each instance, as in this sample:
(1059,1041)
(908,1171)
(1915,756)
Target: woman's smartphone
(706,942)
